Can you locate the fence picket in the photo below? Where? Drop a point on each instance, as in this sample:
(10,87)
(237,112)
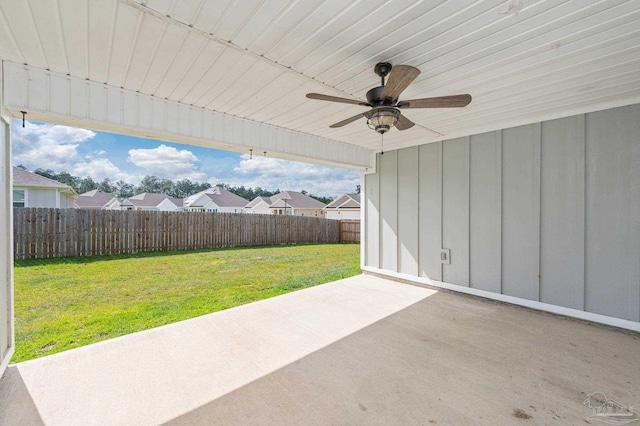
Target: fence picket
(42,233)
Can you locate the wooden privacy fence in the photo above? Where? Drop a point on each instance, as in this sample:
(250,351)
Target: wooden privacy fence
(349,231)
(44,233)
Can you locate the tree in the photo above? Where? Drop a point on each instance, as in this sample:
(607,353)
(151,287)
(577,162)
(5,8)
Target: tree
(156,185)
(358,189)
(124,189)
(183,188)
(86,184)
(46,173)
(106,186)
(62,177)
(248,193)
(325,200)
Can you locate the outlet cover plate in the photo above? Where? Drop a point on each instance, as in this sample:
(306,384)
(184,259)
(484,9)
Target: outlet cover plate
(445,256)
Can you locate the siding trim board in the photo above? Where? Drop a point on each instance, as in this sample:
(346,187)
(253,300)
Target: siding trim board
(547,213)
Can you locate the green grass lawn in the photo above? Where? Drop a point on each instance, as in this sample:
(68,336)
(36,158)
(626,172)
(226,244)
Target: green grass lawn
(65,303)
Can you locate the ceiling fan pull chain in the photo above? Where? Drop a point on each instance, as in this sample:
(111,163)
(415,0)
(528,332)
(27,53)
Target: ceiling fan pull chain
(381,143)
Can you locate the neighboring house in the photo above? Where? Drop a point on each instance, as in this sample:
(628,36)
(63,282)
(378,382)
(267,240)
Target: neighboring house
(259,205)
(215,200)
(150,201)
(346,206)
(97,200)
(296,204)
(33,190)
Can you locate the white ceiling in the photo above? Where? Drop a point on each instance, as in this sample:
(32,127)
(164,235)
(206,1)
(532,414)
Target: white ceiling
(522,61)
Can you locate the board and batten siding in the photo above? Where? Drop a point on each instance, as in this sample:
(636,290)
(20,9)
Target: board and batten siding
(42,197)
(547,212)
(48,198)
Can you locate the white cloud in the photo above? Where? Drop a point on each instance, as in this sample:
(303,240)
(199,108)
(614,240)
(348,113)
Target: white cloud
(100,169)
(271,173)
(47,146)
(167,162)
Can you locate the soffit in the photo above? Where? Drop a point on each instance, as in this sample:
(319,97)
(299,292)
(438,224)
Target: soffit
(522,61)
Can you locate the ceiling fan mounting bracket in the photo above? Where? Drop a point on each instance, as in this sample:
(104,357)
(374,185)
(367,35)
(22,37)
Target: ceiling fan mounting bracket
(382,69)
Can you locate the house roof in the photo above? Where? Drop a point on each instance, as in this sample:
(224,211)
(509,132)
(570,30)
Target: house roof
(150,199)
(220,196)
(258,200)
(522,61)
(294,199)
(94,198)
(28,179)
(346,201)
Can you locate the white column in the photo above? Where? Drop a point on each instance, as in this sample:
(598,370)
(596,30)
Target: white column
(7,341)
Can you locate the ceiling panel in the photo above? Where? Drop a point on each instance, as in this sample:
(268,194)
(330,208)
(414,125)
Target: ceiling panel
(127,24)
(45,17)
(235,17)
(101,17)
(73,31)
(8,49)
(190,50)
(25,37)
(144,49)
(171,41)
(520,60)
(197,70)
(262,22)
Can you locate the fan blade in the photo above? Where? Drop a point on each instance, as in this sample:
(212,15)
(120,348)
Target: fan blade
(322,97)
(455,101)
(404,123)
(347,121)
(400,78)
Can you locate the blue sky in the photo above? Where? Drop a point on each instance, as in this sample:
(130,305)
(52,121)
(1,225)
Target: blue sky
(105,155)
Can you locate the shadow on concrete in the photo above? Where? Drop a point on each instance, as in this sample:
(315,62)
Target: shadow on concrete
(16,405)
(448,359)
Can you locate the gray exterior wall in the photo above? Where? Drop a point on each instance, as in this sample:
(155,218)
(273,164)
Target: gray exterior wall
(42,198)
(66,202)
(548,212)
(37,197)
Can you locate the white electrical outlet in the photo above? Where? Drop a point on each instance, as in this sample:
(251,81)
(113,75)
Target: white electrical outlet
(445,256)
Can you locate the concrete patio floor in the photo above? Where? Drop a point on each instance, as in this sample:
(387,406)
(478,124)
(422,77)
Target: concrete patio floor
(364,350)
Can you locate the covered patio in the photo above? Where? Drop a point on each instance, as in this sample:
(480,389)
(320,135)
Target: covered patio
(364,350)
(529,195)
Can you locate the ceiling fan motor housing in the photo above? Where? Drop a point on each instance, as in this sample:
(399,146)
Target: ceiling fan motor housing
(373,96)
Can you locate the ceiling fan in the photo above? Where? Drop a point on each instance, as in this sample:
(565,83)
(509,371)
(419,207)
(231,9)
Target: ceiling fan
(383,100)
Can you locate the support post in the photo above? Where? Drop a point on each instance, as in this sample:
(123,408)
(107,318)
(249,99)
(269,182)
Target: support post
(7,340)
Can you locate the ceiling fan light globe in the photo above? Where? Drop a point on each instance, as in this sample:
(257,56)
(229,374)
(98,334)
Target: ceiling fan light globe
(382,119)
